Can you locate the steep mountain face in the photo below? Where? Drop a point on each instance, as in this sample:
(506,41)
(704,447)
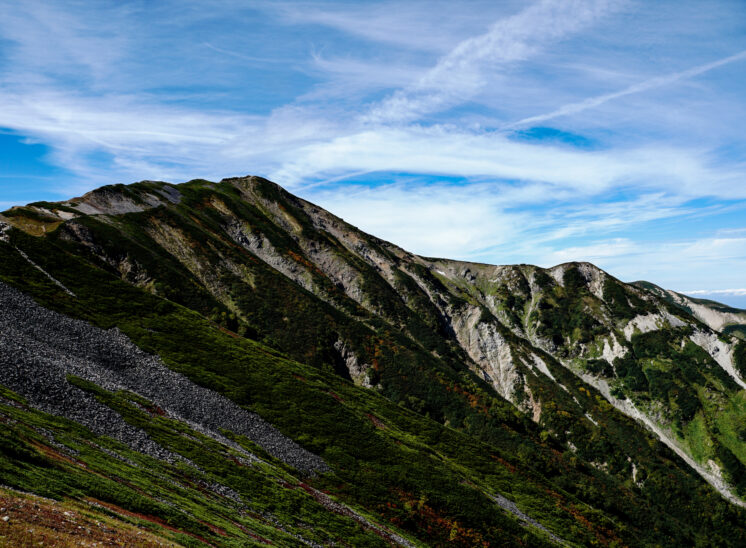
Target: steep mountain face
(430,395)
(717,316)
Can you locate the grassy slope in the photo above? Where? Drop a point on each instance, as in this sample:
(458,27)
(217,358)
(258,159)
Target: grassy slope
(412,473)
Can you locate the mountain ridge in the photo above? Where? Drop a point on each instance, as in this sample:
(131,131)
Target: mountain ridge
(568,347)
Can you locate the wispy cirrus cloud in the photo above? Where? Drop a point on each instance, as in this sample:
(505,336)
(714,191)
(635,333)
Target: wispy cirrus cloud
(461,74)
(429,26)
(652,83)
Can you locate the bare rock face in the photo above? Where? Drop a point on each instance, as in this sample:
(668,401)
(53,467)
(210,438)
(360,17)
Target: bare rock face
(4,232)
(358,371)
(490,351)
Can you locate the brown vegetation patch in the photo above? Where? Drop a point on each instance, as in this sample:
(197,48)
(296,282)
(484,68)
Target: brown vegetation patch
(53,454)
(378,423)
(335,396)
(35,521)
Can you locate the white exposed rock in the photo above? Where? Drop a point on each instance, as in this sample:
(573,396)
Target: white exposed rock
(534,405)
(614,350)
(351,240)
(651,322)
(634,472)
(558,273)
(502,273)
(712,317)
(113,202)
(47,274)
(715,468)
(112,208)
(171,193)
(672,320)
(720,351)
(178,244)
(643,324)
(322,256)
(493,305)
(715,319)
(65,215)
(259,245)
(595,277)
(510,506)
(340,272)
(542,366)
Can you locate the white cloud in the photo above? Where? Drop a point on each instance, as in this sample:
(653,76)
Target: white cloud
(490,222)
(50,42)
(730,292)
(459,75)
(431,220)
(347,78)
(449,151)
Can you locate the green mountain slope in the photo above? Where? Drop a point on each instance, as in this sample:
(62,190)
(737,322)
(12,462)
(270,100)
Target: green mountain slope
(436,392)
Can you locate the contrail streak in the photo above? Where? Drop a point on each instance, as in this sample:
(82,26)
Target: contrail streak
(656,82)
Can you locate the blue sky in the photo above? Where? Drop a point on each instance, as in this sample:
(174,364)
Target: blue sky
(501,132)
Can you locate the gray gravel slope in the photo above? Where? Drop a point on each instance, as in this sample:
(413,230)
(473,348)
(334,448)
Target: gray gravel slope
(39,348)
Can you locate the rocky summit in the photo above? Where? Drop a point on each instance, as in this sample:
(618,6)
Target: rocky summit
(227,364)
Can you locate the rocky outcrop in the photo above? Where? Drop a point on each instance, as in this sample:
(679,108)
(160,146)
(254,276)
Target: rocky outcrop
(358,371)
(54,280)
(259,245)
(651,322)
(714,315)
(487,347)
(113,201)
(5,232)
